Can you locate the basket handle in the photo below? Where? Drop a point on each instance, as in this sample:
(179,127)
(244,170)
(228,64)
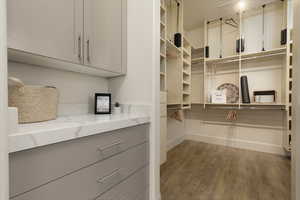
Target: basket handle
(15,82)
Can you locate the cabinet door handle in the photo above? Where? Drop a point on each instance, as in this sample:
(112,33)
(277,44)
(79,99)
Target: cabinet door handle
(88,50)
(79,47)
(113,173)
(109,146)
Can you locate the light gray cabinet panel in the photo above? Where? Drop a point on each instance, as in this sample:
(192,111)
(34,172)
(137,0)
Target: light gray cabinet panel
(85,36)
(32,168)
(90,182)
(105,34)
(47,28)
(134,188)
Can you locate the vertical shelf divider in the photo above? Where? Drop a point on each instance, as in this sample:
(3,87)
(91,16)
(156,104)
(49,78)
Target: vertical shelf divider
(204,63)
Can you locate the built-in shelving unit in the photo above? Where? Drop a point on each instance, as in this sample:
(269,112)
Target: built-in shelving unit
(289,94)
(163,81)
(163,47)
(178,59)
(265,60)
(197,76)
(223,64)
(186,73)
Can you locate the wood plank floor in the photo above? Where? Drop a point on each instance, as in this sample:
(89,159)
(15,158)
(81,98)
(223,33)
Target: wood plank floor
(199,171)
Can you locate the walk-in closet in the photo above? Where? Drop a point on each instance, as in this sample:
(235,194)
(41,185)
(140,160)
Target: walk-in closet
(226,81)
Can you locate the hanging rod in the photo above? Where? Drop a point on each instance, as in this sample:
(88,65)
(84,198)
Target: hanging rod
(250,58)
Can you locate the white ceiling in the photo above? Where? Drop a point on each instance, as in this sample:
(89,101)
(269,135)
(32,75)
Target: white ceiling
(196,11)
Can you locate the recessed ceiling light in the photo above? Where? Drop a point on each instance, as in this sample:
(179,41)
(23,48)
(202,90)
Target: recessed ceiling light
(241,5)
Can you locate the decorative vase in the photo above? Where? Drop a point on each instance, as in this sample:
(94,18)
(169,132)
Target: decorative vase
(117,110)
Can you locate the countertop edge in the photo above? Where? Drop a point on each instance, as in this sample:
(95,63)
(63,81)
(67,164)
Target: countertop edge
(34,139)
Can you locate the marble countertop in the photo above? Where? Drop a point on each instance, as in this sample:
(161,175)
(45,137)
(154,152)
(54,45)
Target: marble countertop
(67,128)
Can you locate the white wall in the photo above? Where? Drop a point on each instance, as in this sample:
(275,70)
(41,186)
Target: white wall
(141,84)
(135,87)
(76,90)
(196,37)
(3,105)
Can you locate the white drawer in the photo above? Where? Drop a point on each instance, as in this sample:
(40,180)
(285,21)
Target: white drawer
(93,181)
(32,168)
(163,97)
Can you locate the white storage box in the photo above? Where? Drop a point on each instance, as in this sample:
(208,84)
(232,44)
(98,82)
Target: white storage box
(218,96)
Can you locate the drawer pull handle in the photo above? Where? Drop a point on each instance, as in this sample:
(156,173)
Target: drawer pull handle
(110,145)
(88,50)
(79,47)
(115,172)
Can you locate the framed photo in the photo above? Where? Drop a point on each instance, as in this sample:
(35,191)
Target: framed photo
(102,103)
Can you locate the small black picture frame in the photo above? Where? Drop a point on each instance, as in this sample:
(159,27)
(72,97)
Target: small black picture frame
(102,103)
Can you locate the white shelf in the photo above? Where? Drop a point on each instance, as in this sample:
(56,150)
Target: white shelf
(185,51)
(162,55)
(197,103)
(220,60)
(246,104)
(186,106)
(172,50)
(248,56)
(162,24)
(162,9)
(186,73)
(186,62)
(197,60)
(186,83)
(251,106)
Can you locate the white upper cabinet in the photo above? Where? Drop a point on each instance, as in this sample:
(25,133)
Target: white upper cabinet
(105,34)
(86,36)
(47,28)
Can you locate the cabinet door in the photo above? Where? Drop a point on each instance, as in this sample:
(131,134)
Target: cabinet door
(49,28)
(105,34)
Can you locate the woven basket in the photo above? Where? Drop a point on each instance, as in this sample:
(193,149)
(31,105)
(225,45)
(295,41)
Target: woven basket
(34,103)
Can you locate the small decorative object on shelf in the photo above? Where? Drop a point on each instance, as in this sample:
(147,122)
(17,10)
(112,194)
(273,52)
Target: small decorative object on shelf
(231,92)
(218,96)
(117,108)
(265,96)
(231,116)
(240,45)
(283,37)
(207,52)
(245,90)
(102,103)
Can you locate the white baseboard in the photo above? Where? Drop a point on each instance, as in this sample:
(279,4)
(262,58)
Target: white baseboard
(171,144)
(237,143)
